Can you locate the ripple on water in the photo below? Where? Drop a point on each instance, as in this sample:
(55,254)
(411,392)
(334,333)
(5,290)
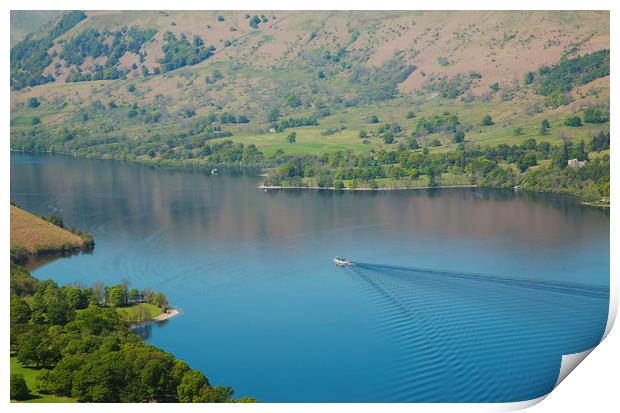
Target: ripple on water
(476,337)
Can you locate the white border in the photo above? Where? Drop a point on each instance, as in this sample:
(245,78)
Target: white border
(593,388)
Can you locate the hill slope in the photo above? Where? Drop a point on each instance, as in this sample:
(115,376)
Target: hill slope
(35,234)
(263,87)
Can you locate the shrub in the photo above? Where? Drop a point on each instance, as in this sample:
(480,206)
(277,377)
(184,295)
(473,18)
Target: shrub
(19,389)
(573,121)
(33,102)
(487,120)
(373,119)
(596,114)
(254,22)
(458,137)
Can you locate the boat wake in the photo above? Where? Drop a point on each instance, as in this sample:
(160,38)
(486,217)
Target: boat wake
(461,336)
(587,290)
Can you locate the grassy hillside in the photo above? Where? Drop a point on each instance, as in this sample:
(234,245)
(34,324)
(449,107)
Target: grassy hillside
(259,88)
(35,234)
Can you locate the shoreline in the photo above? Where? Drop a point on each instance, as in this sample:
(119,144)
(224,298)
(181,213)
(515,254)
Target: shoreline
(173,312)
(265,169)
(157,319)
(331,188)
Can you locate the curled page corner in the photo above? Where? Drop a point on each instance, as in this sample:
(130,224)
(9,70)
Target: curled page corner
(569,363)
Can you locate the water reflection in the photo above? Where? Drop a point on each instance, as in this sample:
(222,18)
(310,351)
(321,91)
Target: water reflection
(252,271)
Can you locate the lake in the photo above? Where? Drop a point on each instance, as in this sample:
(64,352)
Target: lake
(453,295)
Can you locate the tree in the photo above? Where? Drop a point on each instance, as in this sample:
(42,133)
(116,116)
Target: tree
(458,137)
(33,102)
(544,127)
(19,389)
(529,78)
(117,296)
(131,88)
(273,115)
(141,314)
(144,70)
(134,295)
(363,134)
(217,394)
(487,120)
(412,143)
(573,121)
(55,220)
(254,22)
(388,138)
(293,101)
(98,296)
(160,300)
(20,311)
(27,353)
(596,114)
(373,119)
(76,298)
(292,137)
(410,115)
(190,386)
(36,120)
(526,161)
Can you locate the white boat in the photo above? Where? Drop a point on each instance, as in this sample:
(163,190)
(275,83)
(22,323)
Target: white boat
(214,171)
(341,262)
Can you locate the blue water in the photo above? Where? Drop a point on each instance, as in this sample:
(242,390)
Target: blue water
(454,295)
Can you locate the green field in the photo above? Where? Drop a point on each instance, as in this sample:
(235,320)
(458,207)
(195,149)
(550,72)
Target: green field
(129,313)
(29,375)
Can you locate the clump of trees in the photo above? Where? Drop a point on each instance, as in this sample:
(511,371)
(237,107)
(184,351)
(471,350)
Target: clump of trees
(30,57)
(485,166)
(91,43)
(596,114)
(180,52)
(573,121)
(557,80)
(444,122)
(294,123)
(452,87)
(83,349)
(373,84)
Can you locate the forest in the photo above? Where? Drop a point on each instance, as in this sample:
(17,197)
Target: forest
(82,348)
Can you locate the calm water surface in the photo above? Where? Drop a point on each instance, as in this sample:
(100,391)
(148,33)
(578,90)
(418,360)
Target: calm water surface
(265,311)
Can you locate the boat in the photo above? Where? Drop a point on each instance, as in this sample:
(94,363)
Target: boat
(214,171)
(341,262)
